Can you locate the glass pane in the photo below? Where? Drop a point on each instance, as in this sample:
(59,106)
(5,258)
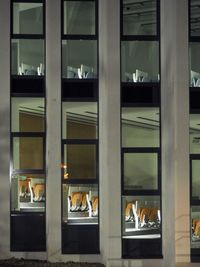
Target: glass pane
(27,18)
(80,161)
(195,179)
(195,133)
(139,18)
(80,204)
(28,153)
(195,18)
(79,59)
(141,217)
(140,61)
(79,120)
(28,192)
(140,127)
(79,17)
(140,171)
(28,114)
(27,57)
(195,224)
(194,64)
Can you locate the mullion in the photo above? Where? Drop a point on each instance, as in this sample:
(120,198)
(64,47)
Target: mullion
(28,36)
(79,37)
(141,192)
(80,181)
(28,134)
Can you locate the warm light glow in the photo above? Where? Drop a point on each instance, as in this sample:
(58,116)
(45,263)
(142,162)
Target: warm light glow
(66,174)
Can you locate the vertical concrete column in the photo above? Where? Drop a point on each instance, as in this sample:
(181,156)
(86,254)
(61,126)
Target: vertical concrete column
(5,128)
(53,156)
(109,138)
(175,131)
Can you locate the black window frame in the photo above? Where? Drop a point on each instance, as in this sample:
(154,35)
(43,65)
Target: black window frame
(139,248)
(18,85)
(72,91)
(20,80)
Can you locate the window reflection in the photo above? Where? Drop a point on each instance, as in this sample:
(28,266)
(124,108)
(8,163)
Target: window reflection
(140,127)
(139,18)
(79,59)
(79,120)
(194,64)
(28,192)
(195,227)
(194,18)
(28,114)
(80,160)
(27,18)
(140,61)
(28,153)
(27,57)
(79,17)
(140,171)
(141,217)
(195,179)
(80,204)
(195,133)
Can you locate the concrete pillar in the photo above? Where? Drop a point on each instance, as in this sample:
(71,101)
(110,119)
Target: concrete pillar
(109,114)
(175,132)
(53,156)
(5,128)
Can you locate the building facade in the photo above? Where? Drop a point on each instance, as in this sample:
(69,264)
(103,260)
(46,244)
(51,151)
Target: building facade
(99,131)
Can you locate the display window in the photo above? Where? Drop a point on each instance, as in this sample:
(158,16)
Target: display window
(195,227)
(141,217)
(80,204)
(28,192)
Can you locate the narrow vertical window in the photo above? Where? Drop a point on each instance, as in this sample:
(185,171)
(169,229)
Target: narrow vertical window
(194,130)
(28,126)
(80,128)
(140,130)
